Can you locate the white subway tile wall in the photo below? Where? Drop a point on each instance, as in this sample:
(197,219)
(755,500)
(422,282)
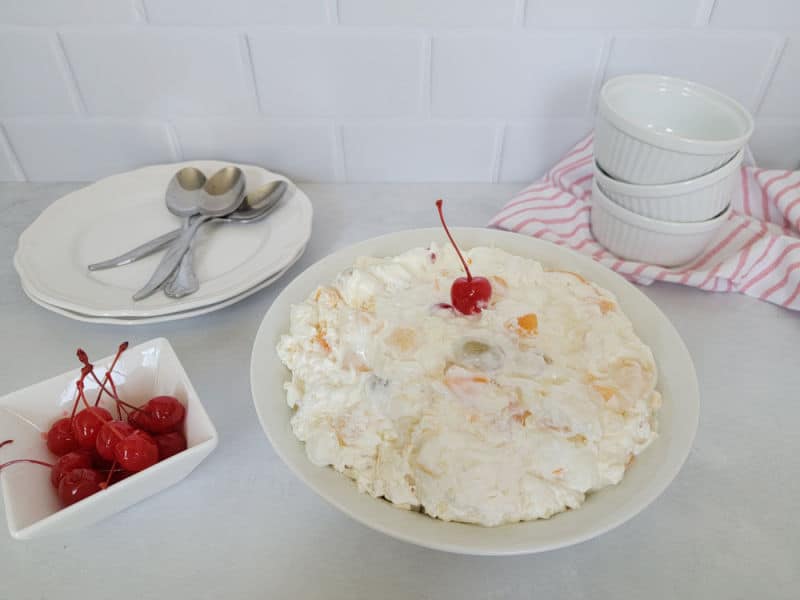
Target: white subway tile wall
(301,150)
(63,12)
(33,78)
(736,65)
(529,149)
(59,149)
(337,73)
(434,13)
(358,90)
(513,74)
(159,71)
(634,14)
(236,12)
(461,151)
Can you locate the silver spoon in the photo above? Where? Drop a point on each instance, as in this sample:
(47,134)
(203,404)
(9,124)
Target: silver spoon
(181,200)
(241,215)
(183,280)
(256,205)
(222,193)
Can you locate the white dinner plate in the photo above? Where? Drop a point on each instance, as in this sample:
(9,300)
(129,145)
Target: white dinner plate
(652,471)
(185,314)
(125,210)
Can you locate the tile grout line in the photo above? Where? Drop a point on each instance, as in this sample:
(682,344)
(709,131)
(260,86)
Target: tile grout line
(141,10)
(175,141)
(763,86)
(250,68)
(78,101)
(600,73)
(518,20)
(339,158)
(705,9)
(497,158)
(16,164)
(332,12)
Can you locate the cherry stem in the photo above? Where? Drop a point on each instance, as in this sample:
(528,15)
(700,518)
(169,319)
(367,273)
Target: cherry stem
(6,443)
(452,241)
(103,387)
(108,479)
(81,395)
(74,406)
(117,433)
(25,460)
(122,347)
(79,390)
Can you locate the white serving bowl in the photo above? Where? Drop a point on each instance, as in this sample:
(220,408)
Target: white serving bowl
(694,200)
(604,510)
(653,129)
(632,236)
(147,370)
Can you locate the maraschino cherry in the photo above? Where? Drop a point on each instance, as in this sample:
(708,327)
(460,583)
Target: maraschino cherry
(60,437)
(469,295)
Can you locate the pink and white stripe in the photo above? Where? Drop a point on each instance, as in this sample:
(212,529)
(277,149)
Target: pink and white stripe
(756,252)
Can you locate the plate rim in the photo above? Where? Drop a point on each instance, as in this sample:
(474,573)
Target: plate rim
(176,316)
(179,305)
(642,499)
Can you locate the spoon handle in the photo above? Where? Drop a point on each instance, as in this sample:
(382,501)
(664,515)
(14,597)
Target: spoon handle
(135,254)
(171,259)
(183,280)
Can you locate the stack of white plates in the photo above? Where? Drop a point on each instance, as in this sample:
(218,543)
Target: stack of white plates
(120,212)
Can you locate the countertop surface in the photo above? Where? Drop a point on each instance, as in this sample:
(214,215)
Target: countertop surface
(242,526)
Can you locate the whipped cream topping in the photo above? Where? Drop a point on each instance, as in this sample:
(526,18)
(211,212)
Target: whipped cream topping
(512,414)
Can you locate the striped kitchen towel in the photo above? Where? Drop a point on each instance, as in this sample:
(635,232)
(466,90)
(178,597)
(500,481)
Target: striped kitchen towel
(756,252)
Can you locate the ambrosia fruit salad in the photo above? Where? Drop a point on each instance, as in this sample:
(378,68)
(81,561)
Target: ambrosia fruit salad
(489,399)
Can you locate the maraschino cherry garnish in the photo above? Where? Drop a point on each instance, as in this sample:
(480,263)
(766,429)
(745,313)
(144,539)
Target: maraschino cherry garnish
(60,437)
(469,295)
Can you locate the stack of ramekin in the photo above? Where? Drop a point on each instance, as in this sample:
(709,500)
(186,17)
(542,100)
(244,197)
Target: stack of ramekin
(667,156)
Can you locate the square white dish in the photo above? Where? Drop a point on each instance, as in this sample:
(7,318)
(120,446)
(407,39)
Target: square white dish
(32,507)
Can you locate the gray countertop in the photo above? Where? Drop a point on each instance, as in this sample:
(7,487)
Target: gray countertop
(243,526)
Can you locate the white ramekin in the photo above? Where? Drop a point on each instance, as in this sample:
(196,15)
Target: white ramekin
(647,240)
(653,129)
(698,199)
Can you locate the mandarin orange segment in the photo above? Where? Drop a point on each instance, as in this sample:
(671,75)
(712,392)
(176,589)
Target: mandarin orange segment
(605,305)
(528,323)
(606,392)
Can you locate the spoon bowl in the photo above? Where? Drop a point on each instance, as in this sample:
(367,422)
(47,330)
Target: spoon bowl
(183,191)
(258,203)
(222,193)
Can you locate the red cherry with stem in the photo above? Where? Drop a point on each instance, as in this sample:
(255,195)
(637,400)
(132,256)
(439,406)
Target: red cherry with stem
(469,295)
(136,452)
(110,434)
(80,459)
(170,444)
(87,424)
(60,437)
(166,413)
(78,484)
